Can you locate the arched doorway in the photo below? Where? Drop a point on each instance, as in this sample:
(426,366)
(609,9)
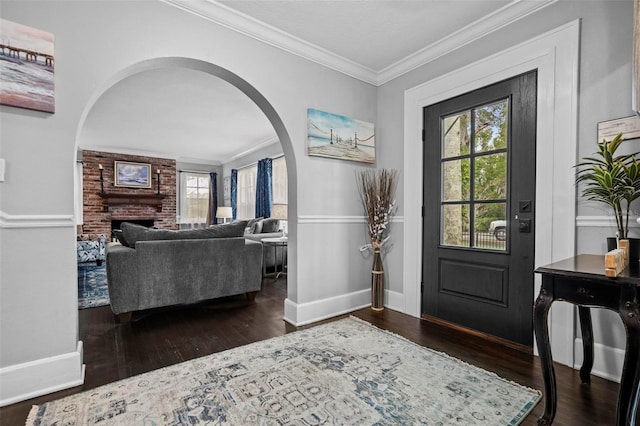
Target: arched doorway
(251,93)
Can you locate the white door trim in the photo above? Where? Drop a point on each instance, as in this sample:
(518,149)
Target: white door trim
(555,56)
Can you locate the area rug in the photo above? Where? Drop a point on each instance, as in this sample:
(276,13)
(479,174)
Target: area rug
(346,372)
(92,285)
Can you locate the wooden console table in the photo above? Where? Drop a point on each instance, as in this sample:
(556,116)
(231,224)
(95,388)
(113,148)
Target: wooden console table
(580,280)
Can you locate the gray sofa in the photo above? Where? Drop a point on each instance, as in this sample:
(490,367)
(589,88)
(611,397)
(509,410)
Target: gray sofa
(157,268)
(259,229)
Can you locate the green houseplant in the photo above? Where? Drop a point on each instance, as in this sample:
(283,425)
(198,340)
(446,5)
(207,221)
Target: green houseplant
(613,179)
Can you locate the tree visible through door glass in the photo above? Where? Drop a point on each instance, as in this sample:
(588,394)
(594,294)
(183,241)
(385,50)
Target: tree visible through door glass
(474,177)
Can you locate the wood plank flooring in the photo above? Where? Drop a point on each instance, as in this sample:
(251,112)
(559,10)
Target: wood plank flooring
(165,337)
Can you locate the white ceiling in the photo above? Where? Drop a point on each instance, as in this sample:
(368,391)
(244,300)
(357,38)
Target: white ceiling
(195,117)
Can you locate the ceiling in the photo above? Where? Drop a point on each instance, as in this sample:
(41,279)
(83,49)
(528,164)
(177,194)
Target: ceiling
(195,117)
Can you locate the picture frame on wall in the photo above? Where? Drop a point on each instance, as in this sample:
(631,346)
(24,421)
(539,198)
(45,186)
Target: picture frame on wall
(27,64)
(226,188)
(336,136)
(132,175)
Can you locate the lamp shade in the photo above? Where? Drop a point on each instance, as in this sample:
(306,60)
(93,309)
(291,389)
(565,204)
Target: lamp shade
(224,213)
(279,211)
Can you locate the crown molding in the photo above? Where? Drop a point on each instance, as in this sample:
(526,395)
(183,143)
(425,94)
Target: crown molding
(488,24)
(257,147)
(244,24)
(251,27)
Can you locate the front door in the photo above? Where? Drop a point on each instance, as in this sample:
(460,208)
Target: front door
(478,220)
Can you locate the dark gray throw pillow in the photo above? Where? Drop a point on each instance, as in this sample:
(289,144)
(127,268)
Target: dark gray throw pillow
(251,226)
(270,225)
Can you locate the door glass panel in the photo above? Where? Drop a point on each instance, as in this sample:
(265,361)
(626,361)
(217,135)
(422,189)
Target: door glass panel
(490,226)
(491,126)
(455,225)
(490,176)
(455,180)
(456,130)
(474,171)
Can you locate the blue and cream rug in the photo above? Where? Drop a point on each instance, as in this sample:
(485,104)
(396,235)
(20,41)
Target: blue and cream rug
(92,285)
(346,372)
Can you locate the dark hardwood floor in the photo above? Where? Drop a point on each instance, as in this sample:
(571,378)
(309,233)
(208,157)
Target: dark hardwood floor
(164,337)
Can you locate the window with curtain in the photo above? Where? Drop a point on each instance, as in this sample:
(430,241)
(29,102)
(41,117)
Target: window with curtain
(194,197)
(246,192)
(279,181)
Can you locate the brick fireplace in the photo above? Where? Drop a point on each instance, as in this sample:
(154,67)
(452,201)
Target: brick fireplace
(119,204)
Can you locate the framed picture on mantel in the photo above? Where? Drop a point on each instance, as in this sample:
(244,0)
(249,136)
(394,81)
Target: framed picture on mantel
(132,175)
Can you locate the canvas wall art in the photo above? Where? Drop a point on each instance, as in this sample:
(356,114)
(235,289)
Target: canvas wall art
(132,175)
(226,188)
(26,67)
(337,136)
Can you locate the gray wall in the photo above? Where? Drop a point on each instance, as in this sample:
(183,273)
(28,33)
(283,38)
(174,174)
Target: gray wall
(98,42)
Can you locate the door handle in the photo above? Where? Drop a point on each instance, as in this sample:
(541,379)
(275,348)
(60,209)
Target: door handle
(524,225)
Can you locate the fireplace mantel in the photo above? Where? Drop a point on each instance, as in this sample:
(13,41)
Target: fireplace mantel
(114,199)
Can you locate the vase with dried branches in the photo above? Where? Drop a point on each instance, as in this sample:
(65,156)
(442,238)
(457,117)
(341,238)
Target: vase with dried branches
(377,191)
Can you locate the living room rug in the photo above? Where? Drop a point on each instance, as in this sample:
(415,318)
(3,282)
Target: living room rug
(343,372)
(92,285)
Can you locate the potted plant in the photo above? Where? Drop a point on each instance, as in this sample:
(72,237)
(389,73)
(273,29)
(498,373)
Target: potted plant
(614,180)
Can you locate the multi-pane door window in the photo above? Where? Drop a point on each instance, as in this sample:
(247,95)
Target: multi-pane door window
(474,176)
(194,197)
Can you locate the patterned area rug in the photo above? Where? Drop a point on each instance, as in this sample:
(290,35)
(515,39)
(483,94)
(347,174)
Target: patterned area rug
(344,372)
(92,285)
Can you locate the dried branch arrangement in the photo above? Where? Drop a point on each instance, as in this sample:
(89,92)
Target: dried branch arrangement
(377,191)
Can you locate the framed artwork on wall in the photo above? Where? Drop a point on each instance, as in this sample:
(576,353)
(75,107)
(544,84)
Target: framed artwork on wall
(132,175)
(26,64)
(226,188)
(336,136)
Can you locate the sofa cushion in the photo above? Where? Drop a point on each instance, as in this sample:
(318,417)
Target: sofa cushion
(133,233)
(228,230)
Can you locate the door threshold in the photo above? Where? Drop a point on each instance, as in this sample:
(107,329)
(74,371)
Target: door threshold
(491,338)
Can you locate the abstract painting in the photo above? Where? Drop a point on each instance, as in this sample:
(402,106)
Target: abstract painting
(26,67)
(337,136)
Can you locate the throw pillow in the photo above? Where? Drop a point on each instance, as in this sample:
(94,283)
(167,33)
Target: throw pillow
(270,225)
(251,226)
(132,233)
(257,226)
(119,235)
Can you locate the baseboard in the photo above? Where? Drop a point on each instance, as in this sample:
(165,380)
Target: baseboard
(607,361)
(306,313)
(31,379)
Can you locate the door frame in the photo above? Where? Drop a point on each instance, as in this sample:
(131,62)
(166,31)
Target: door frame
(555,55)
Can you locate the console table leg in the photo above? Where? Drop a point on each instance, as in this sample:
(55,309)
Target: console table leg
(540,314)
(628,396)
(587,344)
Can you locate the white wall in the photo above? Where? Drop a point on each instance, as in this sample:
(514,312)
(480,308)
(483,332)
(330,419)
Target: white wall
(97,43)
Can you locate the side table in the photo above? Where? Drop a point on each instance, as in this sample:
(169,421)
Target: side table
(581,281)
(280,242)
